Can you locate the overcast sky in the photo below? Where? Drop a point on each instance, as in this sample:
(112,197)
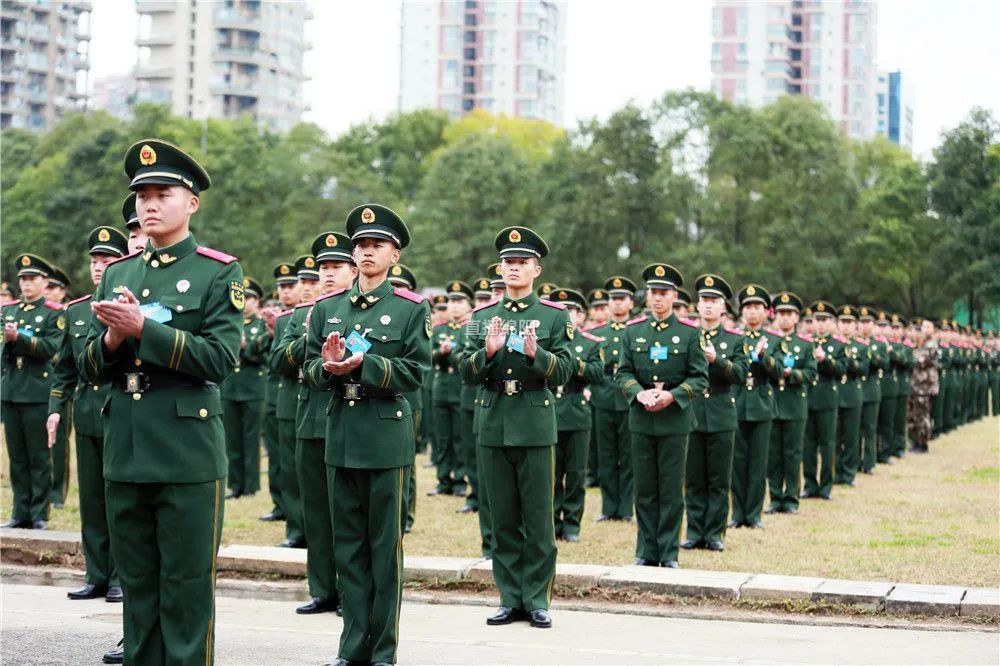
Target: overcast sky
(618,50)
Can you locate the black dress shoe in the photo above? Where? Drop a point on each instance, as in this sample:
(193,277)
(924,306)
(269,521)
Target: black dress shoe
(116,656)
(806,495)
(716,546)
(691,544)
(438,492)
(505,615)
(640,562)
(670,564)
(292,543)
(381,663)
(460,492)
(791,510)
(603,519)
(317,605)
(624,519)
(88,591)
(733,524)
(772,509)
(571,538)
(867,471)
(39,525)
(340,610)
(234,493)
(339,661)
(57,505)
(825,497)
(467,509)
(540,618)
(274,515)
(114,595)
(755,526)
(18,524)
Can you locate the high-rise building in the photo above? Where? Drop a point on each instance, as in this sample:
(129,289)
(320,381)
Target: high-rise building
(114,94)
(894,108)
(504,57)
(43,61)
(224,59)
(823,50)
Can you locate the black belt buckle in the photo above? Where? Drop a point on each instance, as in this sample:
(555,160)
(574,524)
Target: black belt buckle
(136,382)
(352,391)
(511,386)
(559,391)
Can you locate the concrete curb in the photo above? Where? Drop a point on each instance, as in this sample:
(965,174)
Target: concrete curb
(878,597)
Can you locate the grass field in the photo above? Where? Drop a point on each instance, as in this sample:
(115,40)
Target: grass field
(926,519)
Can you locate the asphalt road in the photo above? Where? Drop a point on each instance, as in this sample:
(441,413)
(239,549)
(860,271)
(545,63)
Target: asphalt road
(39,625)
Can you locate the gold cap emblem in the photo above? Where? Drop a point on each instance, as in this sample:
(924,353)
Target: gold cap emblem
(616,282)
(25,261)
(484,284)
(659,271)
(246,282)
(367,216)
(456,286)
(147,155)
(820,307)
(709,282)
(751,291)
(331,240)
(103,236)
(864,312)
(784,298)
(546,289)
(397,271)
(310,262)
(515,236)
(598,294)
(847,309)
(284,270)
(563,296)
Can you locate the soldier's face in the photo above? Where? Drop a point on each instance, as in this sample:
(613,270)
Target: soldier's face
(927,328)
(786,319)
(519,272)
(32,286)
(335,275)
(136,239)
(895,333)
(660,301)
(883,330)
(250,305)
(620,306)
(848,327)
(680,309)
(866,327)
(577,316)
(753,314)
(599,313)
(458,308)
(97,264)
(711,308)
(164,210)
(374,256)
(483,300)
(288,294)
(55,292)
(825,325)
(308,290)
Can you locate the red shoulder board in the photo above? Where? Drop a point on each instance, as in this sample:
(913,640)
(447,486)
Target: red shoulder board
(552,304)
(776,331)
(806,337)
(839,339)
(907,343)
(408,295)
(285,313)
(80,300)
(591,327)
(688,322)
(215,254)
(305,305)
(52,305)
(332,293)
(734,331)
(591,337)
(13,302)
(486,305)
(127,256)
(637,320)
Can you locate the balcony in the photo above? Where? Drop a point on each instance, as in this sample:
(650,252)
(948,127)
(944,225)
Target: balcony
(147,71)
(37,62)
(237,20)
(36,94)
(79,61)
(156,6)
(237,88)
(155,40)
(240,54)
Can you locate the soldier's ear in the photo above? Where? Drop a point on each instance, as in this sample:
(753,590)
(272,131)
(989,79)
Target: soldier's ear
(194,203)
(538,267)
(396,254)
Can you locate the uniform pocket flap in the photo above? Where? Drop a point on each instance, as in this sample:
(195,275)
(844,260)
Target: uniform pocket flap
(199,406)
(395,410)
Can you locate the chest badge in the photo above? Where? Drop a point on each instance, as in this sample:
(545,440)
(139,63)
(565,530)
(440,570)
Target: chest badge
(183,286)
(333,320)
(384,320)
(676,339)
(39,319)
(723,345)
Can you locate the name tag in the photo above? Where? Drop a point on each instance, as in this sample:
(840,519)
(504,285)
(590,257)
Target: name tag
(789,360)
(516,343)
(26,332)
(157,312)
(659,353)
(357,344)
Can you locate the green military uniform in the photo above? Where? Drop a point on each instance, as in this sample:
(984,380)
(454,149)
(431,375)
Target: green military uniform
(369,438)
(89,400)
(517,431)
(994,375)
(448,424)
(573,423)
(164,455)
(597,298)
(903,364)
(754,411)
(26,375)
(242,402)
(871,393)
(284,273)
(851,391)
(819,450)
(60,452)
(665,355)
(791,408)
(287,328)
(440,304)
(889,387)
(944,402)
(611,416)
(707,478)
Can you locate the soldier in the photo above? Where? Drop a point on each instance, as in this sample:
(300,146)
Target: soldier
(101,577)
(904,369)
(518,348)
(55,292)
(545,289)
(136,236)
(243,397)
(164,457)
(818,455)
(994,375)
(791,404)
(871,387)
(368,345)
(754,410)
(288,297)
(682,306)
(599,313)
(482,295)
(851,392)
(599,316)
(448,392)
(497,285)
(807,324)
(663,369)
(336,270)
(34,329)
(286,409)
(710,447)
(611,411)
(574,419)
(6,293)
(924,385)
(889,388)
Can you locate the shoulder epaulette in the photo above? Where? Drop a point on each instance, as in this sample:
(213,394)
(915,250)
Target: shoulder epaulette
(840,339)
(734,331)
(215,254)
(52,305)
(408,295)
(591,337)
(806,337)
(332,293)
(79,300)
(305,305)
(907,343)
(125,258)
(486,305)
(637,320)
(688,322)
(285,313)
(945,345)
(776,331)
(591,327)
(552,304)
(13,302)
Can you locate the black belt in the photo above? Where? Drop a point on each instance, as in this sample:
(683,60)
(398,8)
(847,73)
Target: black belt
(143,382)
(610,370)
(665,387)
(361,392)
(514,386)
(573,386)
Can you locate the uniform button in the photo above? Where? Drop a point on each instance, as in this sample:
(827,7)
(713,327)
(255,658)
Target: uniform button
(614,339)
(138,362)
(546,403)
(383,337)
(357,327)
(655,378)
(154,263)
(364,306)
(180,307)
(137,396)
(656,361)
(350,403)
(399,415)
(614,352)
(236,369)
(96,387)
(45,374)
(510,370)
(203,413)
(145,293)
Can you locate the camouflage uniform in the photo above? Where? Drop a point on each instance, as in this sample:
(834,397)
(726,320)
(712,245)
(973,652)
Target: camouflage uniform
(924,386)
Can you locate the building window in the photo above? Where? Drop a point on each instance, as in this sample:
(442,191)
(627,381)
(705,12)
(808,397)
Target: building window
(469,54)
(469,71)
(449,74)
(470,37)
(716,51)
(468,105)
(741,52)
(528,79)
(451,36)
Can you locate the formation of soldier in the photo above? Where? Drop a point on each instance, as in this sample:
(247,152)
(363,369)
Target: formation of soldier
(175,369)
